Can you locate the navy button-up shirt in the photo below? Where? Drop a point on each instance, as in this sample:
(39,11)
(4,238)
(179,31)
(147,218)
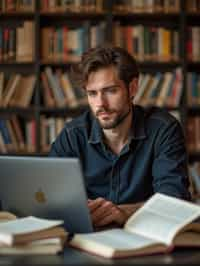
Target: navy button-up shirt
(154,160)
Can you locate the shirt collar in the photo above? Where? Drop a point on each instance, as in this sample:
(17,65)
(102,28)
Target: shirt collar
(96,134)
(137,130)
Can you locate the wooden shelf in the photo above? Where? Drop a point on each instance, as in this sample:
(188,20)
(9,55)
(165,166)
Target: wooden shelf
(17,15)
(192,14)
(15,63)
(159,64)
(194,110)
(73,15)
(195,64)
(71,60)
(63,111)
(18,110)
(150,15)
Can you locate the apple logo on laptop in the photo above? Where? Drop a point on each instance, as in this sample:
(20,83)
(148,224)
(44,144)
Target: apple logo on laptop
(40,196)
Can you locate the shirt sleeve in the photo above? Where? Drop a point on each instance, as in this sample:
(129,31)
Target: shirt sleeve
(62,146)
(170,167)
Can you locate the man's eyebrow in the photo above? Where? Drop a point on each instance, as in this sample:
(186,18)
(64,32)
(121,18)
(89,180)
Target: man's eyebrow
(104,88)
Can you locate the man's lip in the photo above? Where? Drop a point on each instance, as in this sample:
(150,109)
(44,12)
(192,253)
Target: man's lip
(104,113)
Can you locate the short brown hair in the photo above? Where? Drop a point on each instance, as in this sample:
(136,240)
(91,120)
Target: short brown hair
(102,57)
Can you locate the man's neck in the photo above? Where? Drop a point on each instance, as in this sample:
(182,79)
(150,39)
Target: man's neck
(117,138)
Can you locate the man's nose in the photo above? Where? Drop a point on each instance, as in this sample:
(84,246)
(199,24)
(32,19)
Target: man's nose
(101,99)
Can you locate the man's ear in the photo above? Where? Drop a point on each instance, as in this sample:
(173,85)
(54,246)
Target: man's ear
(133,87)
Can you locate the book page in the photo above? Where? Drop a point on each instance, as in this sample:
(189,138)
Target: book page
(27,225)
(162,217)
(52,241)
(116,239)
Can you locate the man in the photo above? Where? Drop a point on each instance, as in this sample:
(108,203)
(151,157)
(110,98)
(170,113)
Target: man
(127,153)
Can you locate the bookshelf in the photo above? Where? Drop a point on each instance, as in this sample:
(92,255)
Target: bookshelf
(163,38)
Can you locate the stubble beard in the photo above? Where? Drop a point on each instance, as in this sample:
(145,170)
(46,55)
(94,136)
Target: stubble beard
(116,122)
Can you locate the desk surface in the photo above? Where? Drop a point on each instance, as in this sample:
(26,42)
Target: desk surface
(75,257)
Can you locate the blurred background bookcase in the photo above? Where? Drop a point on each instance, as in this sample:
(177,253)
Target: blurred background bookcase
(40,40)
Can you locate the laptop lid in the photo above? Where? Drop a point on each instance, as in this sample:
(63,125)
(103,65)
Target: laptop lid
(45,187)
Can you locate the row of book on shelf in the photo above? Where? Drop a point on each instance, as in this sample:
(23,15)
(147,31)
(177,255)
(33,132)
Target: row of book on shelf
(52,6)
(144,42)
(193,89)
(50,127)
(16,90)
(57,89)
(165,89)
(17,136)
(149,6)
(147,42)
(193,43)
(165,6)
(134,6)
(17,42)
(17,5)
(156,43)
(153,6)
(160,89)
(67,43)
(72,6)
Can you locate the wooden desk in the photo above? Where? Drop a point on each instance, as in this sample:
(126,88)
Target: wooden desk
(75,257)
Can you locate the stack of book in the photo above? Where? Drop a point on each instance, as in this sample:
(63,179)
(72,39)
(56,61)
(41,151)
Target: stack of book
(30,235)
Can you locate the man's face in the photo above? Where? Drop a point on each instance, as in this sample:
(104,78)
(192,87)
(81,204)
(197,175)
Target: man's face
(108,98)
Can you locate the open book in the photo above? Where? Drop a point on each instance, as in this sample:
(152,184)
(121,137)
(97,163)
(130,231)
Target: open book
(161,224)
(30,235)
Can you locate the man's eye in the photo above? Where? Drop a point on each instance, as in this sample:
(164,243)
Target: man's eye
(91,93)
(111,90)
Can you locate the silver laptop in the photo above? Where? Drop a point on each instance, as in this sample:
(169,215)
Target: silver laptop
(45,187)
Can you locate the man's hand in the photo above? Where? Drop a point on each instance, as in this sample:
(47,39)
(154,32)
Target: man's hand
(104,212)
